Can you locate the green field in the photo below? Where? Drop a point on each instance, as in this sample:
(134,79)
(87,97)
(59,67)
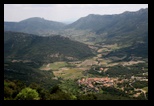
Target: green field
(70,73)
(146,89)
(54,66)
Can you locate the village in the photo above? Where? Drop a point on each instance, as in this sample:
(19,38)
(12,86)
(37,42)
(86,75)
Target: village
(94,84)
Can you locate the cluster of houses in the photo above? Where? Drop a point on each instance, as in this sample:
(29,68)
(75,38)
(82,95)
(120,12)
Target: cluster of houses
(139,78)
(96,83)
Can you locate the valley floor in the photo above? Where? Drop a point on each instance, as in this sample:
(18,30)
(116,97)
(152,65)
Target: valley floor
(95,78)
(98,65)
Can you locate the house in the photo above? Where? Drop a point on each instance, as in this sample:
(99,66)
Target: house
(101,69)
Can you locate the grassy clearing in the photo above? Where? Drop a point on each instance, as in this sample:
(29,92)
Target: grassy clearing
(71,73)
(113,47)
(104,63)
(54,66)
(57,65)
(146,89)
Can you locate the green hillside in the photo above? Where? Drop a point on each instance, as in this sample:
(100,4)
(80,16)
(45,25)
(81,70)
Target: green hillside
(28,73)
(27,47)
(34,25)
(123,29)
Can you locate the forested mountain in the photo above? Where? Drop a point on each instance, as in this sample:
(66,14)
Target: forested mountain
(135,50)
(127,27)
(28,47)
(106,22)
(34,25)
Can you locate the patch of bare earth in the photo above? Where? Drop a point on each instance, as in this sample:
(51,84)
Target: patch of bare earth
(46,68)
(63,69)
(87,63)
(113,64)
(137,94)
(100,50)
(99,55)
(48,65)
(131,63)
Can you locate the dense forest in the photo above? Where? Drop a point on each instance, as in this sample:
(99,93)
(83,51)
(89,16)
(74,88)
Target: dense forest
(22,46)
(17,90)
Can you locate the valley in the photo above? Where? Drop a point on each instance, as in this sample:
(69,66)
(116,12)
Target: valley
(97,67)
(75,71)
(97,57)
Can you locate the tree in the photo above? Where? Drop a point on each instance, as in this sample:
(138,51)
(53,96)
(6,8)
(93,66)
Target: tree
(28,94)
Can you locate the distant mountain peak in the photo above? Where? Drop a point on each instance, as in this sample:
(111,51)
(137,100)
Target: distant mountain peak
(33,19)
(142,10)
(34,25)
(91,15)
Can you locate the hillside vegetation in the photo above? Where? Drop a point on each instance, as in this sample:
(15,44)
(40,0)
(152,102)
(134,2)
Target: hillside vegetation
(27,47)
(34,25)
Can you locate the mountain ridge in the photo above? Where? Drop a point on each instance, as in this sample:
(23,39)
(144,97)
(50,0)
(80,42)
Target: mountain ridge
(122,28)
(34,25)
(100,18)
(94,22)
(22,46)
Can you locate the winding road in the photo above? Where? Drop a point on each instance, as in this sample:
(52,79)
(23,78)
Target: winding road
(143,91)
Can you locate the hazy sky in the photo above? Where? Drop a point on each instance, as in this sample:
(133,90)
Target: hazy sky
(64,12)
